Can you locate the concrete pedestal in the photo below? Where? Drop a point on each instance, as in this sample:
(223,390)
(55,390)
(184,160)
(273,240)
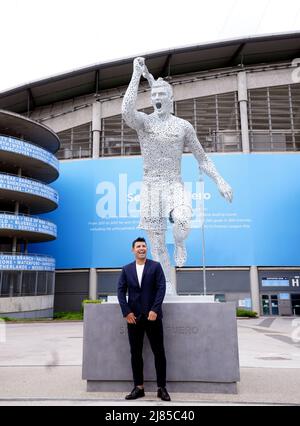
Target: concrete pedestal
(200,342)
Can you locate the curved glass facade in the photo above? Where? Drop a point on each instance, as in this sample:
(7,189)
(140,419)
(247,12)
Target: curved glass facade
(26,283)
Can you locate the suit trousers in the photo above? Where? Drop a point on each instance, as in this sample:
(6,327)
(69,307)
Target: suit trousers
(154,331)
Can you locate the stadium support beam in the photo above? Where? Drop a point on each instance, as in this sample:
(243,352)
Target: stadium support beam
(237,56)
(30,102)
(97,74)
(93,284)
(166,69)
(96,128)
(243,101)
(254,286)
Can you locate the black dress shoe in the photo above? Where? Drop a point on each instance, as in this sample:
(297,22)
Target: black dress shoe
(162,393)
(135,393)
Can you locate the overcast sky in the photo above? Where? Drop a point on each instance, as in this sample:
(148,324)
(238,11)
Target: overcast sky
(40,38)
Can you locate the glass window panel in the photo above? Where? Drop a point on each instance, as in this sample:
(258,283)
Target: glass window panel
(297,141)
(50,282)
(259,119)
(220,298)
(76,142)
(28,283)
(275,282)
(10,283)
(284,296)
(42,283)
(5,289)
(289,142)
(280,107)
(117,138)
(274,118)
(216,120)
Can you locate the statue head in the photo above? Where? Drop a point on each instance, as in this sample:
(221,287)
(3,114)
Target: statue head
(161,93)
(162,96)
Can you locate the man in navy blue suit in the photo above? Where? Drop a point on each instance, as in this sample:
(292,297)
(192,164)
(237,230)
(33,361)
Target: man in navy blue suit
(146,285)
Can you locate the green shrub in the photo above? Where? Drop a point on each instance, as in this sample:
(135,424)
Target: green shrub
(74,316)
(245,313)
(88,301)
(98,301)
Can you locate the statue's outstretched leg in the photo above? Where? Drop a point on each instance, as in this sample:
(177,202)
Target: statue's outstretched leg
(160,254)
(181,218)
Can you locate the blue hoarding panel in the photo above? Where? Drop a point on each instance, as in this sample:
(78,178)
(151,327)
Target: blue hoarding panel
(99,212)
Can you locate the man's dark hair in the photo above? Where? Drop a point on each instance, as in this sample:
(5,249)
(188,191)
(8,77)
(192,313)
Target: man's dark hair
(138,240)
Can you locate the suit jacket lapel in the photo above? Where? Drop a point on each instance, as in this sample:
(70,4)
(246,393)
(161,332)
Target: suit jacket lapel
(134,273)
(147,264)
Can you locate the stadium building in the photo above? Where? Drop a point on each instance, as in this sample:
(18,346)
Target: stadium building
(243,98)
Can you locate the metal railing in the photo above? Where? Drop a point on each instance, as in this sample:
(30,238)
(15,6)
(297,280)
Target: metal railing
(275,140)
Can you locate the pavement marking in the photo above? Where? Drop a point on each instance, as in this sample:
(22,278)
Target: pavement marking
(274,358)
(284,339)
(266,322)
(266,331)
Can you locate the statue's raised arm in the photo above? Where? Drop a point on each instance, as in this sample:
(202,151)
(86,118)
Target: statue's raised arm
(132,117)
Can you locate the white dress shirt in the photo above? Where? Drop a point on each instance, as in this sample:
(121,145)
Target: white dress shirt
(139,271)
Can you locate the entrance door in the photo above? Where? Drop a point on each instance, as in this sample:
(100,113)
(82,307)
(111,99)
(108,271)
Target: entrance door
(274,305)
(265,304)
(295,303)
(270,304)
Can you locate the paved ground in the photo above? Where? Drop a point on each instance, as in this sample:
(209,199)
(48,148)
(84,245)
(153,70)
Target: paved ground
(40,364)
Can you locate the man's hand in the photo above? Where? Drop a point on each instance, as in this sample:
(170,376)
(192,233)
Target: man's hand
(225,190)
(131,318)
(139,65)
(152,316)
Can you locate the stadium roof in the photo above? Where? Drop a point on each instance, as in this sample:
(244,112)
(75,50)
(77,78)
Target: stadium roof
(107,75)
